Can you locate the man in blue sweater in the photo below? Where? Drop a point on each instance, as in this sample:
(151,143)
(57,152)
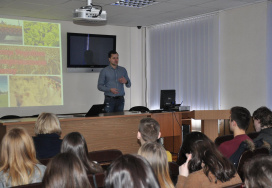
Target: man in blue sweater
(111,81)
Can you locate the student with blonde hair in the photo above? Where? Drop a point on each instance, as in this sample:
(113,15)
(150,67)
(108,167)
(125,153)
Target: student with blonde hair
(18,163)
(156,156)
(47,140)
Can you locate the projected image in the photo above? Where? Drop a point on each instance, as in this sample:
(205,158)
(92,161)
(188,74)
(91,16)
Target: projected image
(35,91)
(3,91)
(29,60)
(11,31)
(41,34)
(30,64)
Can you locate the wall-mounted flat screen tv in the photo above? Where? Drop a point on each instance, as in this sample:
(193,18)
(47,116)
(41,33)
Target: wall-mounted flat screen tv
(88,52)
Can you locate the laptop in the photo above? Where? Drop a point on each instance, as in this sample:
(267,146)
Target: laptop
(95,110)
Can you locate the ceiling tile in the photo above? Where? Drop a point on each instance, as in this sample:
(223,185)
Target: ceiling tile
(163,11)
(222,4)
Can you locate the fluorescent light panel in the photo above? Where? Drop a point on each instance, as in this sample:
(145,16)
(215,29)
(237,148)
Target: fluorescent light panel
(134,3)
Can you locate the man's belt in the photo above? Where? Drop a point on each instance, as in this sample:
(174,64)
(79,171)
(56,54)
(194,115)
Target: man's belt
(116,97)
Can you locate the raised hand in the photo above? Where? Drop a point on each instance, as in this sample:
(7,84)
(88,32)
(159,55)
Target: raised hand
(183,169)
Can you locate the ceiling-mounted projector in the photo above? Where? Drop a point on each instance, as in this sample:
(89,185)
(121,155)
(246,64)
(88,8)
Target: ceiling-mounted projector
(90,13)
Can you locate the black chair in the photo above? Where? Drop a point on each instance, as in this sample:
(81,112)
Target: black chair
(238,185)
(253,135)
(97,180)
(246,156)
(105,157)
(10,117)
(220,139)
(173,172)
(45,161)
(32,185)
(139,108)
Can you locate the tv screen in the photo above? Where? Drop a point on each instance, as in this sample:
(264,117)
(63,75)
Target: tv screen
(88,52)
(168,99)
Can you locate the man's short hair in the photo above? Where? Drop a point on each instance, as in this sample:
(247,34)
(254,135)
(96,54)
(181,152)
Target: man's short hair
(149,129)
(241,116)
(263,114)
(111,52)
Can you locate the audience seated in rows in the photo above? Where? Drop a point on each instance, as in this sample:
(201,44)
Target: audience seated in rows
(156,156)
(239,123)
(258,172)
(262,118)
(47,140)
(75,143)
(65,171)
(131,171)
(205,165)
(18,163)
(149,131)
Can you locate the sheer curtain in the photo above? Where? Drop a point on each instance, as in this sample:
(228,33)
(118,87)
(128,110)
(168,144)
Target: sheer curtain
(269,54)
(183,55)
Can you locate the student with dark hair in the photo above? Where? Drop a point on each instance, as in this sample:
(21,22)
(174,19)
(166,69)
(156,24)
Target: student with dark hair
(149,131)
(155,154)
(205,165)
(65,171)
(75,143)
(130,171)
(262,118)
(258,172)
(239,123)
(111,81)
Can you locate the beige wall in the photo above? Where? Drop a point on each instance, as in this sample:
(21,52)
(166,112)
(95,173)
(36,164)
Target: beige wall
(80,89)
(242,63)
(243,56)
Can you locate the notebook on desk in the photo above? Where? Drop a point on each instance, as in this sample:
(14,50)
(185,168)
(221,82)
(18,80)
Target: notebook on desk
(95,110)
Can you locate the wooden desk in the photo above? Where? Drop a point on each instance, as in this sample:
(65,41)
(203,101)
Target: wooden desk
(171,129)
(104,132)
(119,130)
(109,131)
(209,120)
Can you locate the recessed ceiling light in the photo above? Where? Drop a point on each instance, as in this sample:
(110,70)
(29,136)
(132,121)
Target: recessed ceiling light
(134,3)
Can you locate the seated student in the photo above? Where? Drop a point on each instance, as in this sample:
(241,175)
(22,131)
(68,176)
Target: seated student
(130,171)
(47,140)
(239,122)
(155,154)
(75,143)
(65,171)
(19,165)
(149,131)
(205,165)
(262,118)
(258,172)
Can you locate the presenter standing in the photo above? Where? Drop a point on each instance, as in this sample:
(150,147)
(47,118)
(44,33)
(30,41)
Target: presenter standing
(111,81)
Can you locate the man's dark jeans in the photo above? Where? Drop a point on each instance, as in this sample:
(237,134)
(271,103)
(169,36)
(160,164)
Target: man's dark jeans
(114,104)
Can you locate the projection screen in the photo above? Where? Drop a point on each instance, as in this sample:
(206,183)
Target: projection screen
(30,63)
